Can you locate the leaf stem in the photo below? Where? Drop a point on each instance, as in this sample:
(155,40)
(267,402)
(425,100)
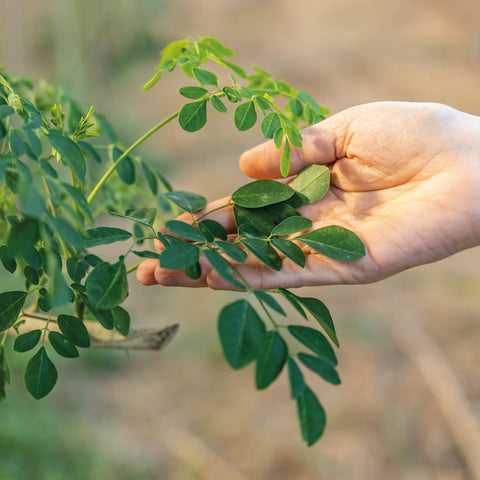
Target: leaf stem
(133,268)
(211,211)
(127,152)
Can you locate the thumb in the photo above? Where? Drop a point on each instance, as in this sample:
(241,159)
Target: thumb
(319,146)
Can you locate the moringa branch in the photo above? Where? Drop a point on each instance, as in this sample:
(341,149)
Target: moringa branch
(152,339)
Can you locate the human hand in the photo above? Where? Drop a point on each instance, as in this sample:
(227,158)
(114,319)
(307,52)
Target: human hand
(405,177)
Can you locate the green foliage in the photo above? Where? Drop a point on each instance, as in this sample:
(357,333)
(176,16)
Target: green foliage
(54,203)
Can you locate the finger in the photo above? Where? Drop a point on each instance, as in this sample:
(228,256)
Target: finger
(319,146)
(318,271)
(150,272)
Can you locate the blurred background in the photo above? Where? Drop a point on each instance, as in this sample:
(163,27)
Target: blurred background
(409,358)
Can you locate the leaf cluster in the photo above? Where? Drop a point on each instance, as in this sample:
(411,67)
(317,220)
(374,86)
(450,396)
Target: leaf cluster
(62,168)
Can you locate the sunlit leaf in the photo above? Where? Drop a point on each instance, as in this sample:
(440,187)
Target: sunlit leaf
(312,183)
(205,77)
(194,93)
(245,116)
(260,193)
(334,242)
(193,116)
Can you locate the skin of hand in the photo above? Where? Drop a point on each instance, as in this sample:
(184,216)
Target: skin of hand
(405,177)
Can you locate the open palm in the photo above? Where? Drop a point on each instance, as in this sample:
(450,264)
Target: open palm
(405,178)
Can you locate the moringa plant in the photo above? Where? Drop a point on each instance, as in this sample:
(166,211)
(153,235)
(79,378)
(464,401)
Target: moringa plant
(64,175)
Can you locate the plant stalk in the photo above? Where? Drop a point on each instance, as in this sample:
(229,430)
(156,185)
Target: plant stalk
(127,152)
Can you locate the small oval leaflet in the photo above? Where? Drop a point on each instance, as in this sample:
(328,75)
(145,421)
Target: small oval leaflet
(335,242)
(40,374)
(311,415)
(27,341)
(241,333)
(292,225)
(312,183)
(245,116)
(179,256)
(63,346)
(271,359)
(191,202)
(193,116)
(74,330)
(261,193)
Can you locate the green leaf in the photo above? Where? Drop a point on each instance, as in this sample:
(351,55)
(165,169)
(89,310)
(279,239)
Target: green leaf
(104,317)
(264,252)
(193,116)
(40,374)
(270,301)
(194,271)
(216,47)
(69,151)
(292,225)
(231,94)
(241,333)
(315,341)
(193,93)
(11,304)
(285,159)
(295,378)
(185,230)
(121,320)
(150,177)
(179,256)
(295,107)
(249,231)
(245,116)
(27,341)
(321,367)
(311,416)
(271,359)
(259,218)
(278,137)
(334,242)
(312,183)
(107,285)
(290,249)
(270,124)
(4,372)
(63,346)
(33,141)
(235,68)
(292,299)
(231,250)
(67,232)
(144,216)
(146,254)
(76,269)
(6,111)
(31,275)
(74,330)
(8,262)
(212,229)
(223,268)
(260,193)
(80,201)
(126,167)
(320,312)
(191,202)
(22,238)
(104,236)
(90,151)
(205,77)
(218,105)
